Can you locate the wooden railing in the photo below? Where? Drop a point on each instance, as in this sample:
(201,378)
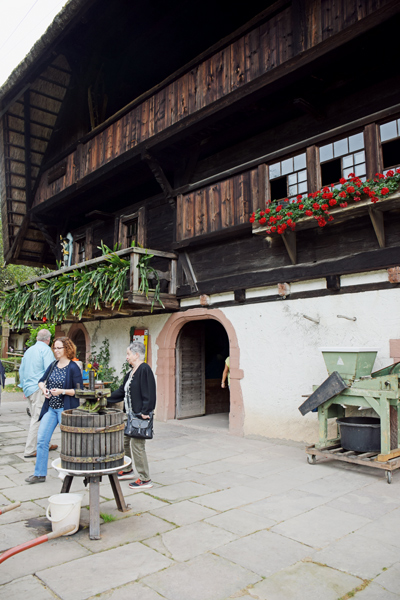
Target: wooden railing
(165,264)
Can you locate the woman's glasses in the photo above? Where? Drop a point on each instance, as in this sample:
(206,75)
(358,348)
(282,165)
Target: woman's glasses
(58,347)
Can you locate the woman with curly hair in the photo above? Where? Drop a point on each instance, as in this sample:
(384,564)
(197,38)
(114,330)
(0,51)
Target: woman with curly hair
(58,384)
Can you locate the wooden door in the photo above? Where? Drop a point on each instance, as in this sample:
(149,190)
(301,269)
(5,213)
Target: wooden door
(190,371)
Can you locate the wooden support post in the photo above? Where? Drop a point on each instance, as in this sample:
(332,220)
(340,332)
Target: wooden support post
(385,425)
(94,508)
(66,486)
(173,274)
(134,273)
(118,495)
(376,217)
(289,239)
(323,426)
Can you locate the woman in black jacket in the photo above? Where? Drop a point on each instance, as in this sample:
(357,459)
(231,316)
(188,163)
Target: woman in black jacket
(138,390)
(58,384)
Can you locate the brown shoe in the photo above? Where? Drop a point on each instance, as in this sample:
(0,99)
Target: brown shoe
(53,447)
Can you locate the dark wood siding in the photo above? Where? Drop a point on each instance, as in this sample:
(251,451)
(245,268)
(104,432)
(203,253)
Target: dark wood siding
(252,55)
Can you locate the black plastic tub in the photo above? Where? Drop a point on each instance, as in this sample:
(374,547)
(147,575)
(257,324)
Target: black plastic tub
(360,434)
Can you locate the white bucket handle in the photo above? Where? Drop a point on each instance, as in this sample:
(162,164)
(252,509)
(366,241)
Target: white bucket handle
(63,517)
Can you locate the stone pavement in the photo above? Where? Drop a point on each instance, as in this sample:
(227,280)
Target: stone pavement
(227,518)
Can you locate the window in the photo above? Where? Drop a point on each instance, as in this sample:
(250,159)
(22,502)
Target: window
(288,178)
(390,140)
(131,229)
(131,232)
(339,159)
(80,250)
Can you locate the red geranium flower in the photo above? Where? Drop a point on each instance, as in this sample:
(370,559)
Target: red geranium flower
(390,173)
(278,208)
(342,194)
(350,189)
(330,218)
(262,221)
(324,206)
(332,202)
(301,206)
(384,191)
(315,206)
(252,219)
(262,213)
(343,204)
(308,213)
(342,180)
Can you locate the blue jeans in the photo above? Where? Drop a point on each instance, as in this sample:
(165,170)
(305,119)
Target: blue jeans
(48,424)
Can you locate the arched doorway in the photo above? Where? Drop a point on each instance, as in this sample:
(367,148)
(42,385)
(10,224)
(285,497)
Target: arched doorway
(79,335)
(166,365)
(201,350)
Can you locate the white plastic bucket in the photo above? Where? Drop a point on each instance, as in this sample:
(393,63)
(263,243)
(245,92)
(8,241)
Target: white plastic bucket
(63,510)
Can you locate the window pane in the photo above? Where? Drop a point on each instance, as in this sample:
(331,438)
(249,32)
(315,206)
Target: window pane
(300,162)
(275,170)
(302,176)
(360,170)
(287,166)
(340,147)
(292,179)
(292,190)
(346,172)
(302,187)
(359,157)
(347,161)
(326,152)
(388,131)
(356,142)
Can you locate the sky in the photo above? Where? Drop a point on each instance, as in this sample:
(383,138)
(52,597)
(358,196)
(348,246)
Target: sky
(22,22)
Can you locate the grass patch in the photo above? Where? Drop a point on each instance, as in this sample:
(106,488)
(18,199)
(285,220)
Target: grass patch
(107,518)
(11,387)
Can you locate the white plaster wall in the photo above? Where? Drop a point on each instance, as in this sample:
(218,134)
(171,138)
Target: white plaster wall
(117,331)
(280,357)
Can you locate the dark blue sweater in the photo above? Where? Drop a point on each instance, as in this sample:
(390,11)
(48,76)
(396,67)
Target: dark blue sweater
(72,378)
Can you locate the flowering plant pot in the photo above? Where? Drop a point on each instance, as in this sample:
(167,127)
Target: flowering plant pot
(318,208)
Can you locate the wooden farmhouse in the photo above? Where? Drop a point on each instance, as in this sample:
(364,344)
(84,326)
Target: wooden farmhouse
(169,124)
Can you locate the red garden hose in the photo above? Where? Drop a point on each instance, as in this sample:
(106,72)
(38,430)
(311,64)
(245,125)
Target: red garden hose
(35,542)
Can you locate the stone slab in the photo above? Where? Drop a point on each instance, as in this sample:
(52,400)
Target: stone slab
(173,476)
(117,567)
(306,581)
(264,552)
(27,510)
(34,491)
(320,526)
(14,534)
(355,555)
(285,506)
(240,522)
(375,592)
(131,529)
(131,591)
(27,587)
(139,503)
(386,529)
(231,498)
(207,577)
(361,502)
(341,482)
(183,513)
(390,579)
(189,541)
(224,480)
(182,491)
(51,553)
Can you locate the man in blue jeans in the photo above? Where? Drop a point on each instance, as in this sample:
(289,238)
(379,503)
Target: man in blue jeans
(34,363)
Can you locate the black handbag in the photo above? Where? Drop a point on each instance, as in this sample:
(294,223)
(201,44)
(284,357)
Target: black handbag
(136,427)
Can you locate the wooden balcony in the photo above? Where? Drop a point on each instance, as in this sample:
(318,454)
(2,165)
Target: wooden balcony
(134,301)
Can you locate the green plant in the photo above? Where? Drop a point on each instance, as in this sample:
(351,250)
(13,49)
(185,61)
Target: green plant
(146,273)
(74,292)
(280,216)
(34,329)
(107,518)
(100,360)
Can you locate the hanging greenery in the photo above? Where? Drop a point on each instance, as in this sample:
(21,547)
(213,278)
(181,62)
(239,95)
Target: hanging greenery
(73,293)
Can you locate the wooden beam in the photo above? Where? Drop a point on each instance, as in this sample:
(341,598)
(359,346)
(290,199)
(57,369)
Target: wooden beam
(289,239)
(376,217)
(159,175)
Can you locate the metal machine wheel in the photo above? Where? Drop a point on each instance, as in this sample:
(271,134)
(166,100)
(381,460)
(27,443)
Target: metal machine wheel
(311,459)
(389,476)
